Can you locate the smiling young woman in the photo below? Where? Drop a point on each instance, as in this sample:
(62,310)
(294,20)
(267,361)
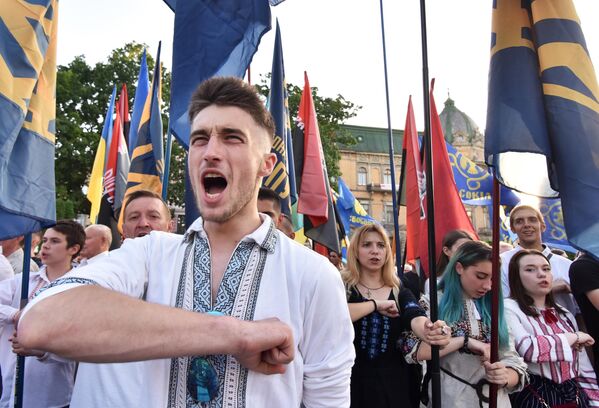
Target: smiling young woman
(548,339)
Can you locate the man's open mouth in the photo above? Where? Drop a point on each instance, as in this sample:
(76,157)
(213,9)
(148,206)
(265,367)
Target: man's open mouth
(214,184)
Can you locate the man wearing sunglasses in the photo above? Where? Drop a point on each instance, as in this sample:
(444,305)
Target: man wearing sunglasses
(231,300)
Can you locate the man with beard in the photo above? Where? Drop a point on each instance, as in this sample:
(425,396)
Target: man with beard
(231,261)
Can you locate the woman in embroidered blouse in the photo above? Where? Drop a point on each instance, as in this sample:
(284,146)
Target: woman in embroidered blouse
(380,376)
(465,304)
(547,337)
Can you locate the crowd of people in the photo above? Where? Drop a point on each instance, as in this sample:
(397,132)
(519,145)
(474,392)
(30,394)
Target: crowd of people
(235,313)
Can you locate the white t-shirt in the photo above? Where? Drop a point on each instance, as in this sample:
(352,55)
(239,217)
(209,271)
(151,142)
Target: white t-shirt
(6,271)
(296,285)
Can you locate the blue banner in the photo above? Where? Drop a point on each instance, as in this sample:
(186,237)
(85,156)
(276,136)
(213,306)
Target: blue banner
(212,38)
(555,231)
(141,94)
(282,178)
(474,183)
(27,116)
(351,212)
(544,100)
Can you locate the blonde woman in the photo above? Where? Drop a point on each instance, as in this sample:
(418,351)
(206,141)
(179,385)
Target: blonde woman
(381,309)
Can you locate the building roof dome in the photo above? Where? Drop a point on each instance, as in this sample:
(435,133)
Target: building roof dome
(459,128)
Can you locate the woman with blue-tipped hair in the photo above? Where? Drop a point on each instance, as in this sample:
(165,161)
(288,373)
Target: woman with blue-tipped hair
(465,306)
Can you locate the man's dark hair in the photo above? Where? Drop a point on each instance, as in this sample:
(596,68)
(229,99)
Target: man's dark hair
(517,291)
(73,232)
(268,194)
(144,193)
(231,91)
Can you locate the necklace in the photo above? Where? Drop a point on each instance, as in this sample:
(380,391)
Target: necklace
(368,293)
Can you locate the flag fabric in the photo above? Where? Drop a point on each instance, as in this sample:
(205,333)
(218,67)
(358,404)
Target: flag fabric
(96,179)
(543,103)
(280,180)
(315,200)
(141,95)
(28,32)
(555,231)
(115,178)
(474,183)
(212,38)
(147,160)
(124,110)
(450,213)
(415,186)
(349,210)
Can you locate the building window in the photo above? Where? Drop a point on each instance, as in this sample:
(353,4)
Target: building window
(387,177)
(365,205)
(362,175)
(389,214)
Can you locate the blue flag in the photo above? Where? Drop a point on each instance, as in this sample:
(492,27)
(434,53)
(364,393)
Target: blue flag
(212,38)
(141,94)
(280,180)
(543,111)
(555,232)
(147,160)
(27,115)
(474,183)
(351,212)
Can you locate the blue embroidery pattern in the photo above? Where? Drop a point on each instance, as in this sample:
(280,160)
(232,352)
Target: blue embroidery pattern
(225,299)
(374,334)
(64,281)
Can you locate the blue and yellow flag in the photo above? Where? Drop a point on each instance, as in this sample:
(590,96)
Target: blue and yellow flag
(543,110)
(147,160)
(28,31)
(282,178)
(555,231)
(350,211)
(96,179)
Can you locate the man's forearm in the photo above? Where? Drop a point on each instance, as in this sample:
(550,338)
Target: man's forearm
(94,324)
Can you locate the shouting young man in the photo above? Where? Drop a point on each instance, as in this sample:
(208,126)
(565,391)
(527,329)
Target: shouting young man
(233,263)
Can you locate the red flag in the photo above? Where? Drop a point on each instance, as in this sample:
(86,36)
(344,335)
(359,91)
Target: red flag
(414,179)
(313,199)
(450,213)
(123,108)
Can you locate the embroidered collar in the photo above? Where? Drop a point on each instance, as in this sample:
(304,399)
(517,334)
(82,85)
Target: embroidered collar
(265,235)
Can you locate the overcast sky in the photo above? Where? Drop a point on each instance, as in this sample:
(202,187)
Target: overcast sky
(338,42)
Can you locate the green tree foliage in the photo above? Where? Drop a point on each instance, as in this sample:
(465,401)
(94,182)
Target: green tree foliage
(331,114)
(82,96)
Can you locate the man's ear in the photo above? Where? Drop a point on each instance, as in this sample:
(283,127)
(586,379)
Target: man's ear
(74,250)
(172,226)
(268,164)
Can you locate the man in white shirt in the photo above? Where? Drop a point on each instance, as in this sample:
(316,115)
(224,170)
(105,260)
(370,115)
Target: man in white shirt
(12,250)
(527,222)
(232,261)
(117,385)
(98,238)
(6,271)
(47,384)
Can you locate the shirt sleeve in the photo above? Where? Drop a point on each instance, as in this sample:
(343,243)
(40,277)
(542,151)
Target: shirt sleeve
(124,270)
(512,359)
(582,278)
(6,271)
(408,307)
(7,292)
(408,342)
(327,346)
(536,348)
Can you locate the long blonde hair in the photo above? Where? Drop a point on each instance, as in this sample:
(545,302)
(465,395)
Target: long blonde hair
(351,273)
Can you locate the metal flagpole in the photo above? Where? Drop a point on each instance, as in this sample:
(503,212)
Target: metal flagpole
(167,161)
(495,282)
(430,216)
(398,260)
(20,367)
(402,177)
